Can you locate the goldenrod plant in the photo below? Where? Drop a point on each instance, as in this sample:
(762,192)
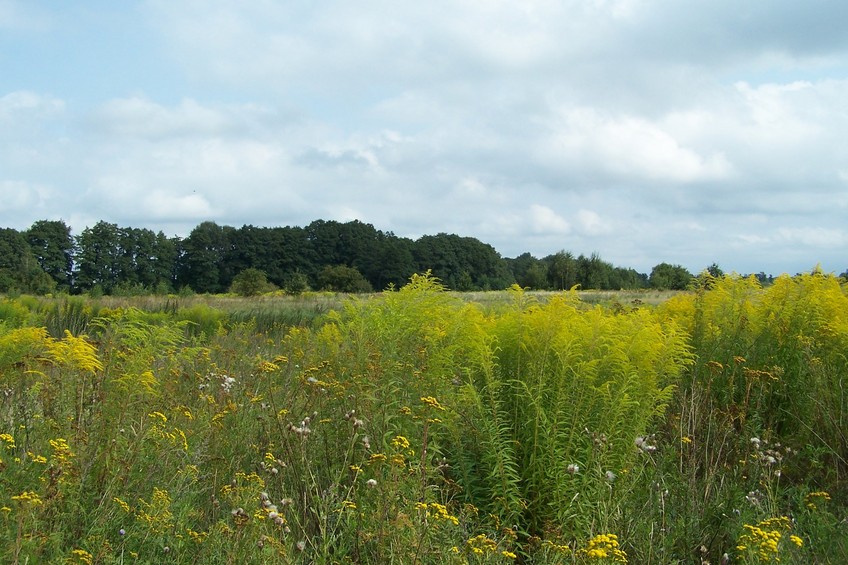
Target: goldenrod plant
(421,426)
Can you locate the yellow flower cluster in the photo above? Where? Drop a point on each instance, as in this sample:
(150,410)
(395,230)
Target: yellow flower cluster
(83,556)
(764,539)
(478,545)
(556,547)
(28,498)
(75,352)
(376,458)
(432,402)
(437,511)
(400,442)
(268,367)
(243,477)
(176,437)
(813,499)
(603,546)
(122,503)
(61,450)
(196,537)
(156,514)
(8,440)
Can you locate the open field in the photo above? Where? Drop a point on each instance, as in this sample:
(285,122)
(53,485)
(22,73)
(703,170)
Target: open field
(425,426)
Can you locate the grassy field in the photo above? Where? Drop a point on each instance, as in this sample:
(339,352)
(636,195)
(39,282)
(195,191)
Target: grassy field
(425,426)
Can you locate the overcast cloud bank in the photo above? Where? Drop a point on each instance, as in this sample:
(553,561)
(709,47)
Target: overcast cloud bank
(645,131)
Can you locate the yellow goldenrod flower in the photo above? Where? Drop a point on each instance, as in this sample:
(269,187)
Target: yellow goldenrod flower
(158,415)
(432,402)
(124,506)
(268,367)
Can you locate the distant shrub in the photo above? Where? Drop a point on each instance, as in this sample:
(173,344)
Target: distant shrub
(251,282)
(341,278)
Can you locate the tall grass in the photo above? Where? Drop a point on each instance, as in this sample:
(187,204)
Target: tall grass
(417,426)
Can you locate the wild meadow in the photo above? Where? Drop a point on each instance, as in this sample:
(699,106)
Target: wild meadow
(422,426)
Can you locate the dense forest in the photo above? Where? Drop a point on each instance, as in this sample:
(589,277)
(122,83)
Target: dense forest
(325,255)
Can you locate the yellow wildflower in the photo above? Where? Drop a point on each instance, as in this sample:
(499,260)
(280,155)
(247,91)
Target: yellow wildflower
(159,415)
(124,506)
(377,458)
(268,367)
(400,442)
(83,556)
(28,498)
(432,402)
(814,498)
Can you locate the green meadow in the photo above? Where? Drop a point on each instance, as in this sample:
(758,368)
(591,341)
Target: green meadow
(424,426)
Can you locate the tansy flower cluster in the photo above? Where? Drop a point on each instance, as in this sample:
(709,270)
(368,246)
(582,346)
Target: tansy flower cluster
(432,402)
(813,499)
(437,511)
(481,544)
(83,556)
(603,546)
(28,498)
(763,540)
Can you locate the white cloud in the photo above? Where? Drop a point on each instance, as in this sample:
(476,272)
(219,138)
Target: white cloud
(19,197)
(591,223)
(23,202)
(543,220)
(646,130)
(628,146)
(160,205)
(140,117)
(472,187)
(21,104)
(815,237)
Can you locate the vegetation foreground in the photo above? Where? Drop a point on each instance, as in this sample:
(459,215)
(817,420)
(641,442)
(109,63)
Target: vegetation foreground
(415,426)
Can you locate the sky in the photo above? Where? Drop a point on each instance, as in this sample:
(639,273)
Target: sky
(646,131)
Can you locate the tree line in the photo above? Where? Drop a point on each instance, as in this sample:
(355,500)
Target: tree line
(346,257)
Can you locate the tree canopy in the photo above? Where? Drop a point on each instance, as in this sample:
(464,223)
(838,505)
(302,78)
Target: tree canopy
(325,254)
